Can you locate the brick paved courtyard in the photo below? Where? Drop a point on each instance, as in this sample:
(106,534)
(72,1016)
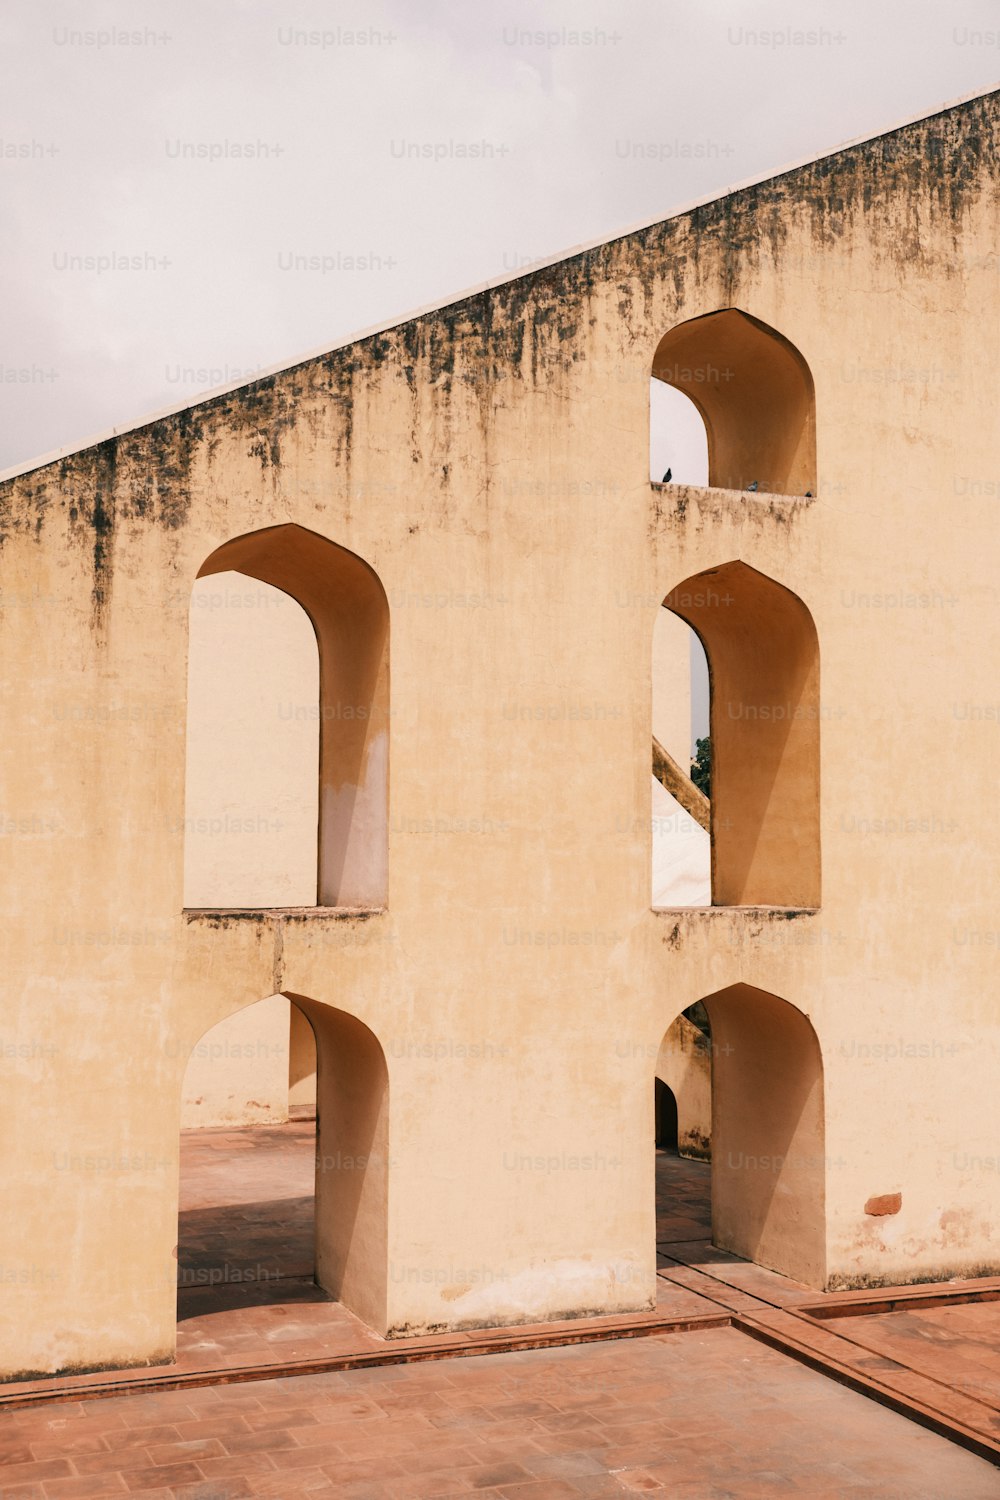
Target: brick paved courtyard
(702,1414)
(695,1416)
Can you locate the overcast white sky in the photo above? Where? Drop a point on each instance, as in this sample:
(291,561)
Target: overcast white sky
(97,161)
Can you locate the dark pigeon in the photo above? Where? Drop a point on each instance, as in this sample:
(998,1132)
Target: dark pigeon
(667,476)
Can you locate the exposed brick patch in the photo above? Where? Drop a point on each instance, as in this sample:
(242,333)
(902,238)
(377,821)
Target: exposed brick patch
(883,1204)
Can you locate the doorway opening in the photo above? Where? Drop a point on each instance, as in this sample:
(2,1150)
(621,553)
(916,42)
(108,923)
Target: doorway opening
(763,811)
(748,1173)
(283,1194)
(246,1222)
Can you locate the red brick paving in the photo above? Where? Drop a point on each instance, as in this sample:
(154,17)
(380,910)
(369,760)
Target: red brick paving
(246,1296)
(245,1258)
(246,1218)
(683,1206)
(699,1415)
(963,1340)
(681,1421)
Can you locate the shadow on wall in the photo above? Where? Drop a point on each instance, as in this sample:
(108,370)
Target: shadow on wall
(768,1155)
(352,1162)
(763,657)
(666,1117)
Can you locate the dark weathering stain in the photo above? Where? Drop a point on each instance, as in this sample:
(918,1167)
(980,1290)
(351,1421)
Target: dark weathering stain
(534,328)
(157,484)
(103,525)
(540,320)
(220,917)
(336,374)
(932,170)
(851,1282)
(265,410)
(24,502)
(535,324)
(139,476)
(90,482)
(164,1357)
(488,337)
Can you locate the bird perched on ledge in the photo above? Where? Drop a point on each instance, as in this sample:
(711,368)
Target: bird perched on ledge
(666,477)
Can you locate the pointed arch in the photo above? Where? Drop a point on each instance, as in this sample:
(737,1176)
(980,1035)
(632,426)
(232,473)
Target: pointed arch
(756,396)
(763,655)
(345,600)
(351,1184)
(768,1173)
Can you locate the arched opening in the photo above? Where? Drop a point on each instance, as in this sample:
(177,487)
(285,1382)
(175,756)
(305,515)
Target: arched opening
(286,1205)
(331,713)
(767,1173)
(755,394)
(763,657)
(246,1220)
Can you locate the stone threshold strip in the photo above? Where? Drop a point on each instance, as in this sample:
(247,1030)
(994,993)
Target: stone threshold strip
(790,1326)
(899,1299)
(98,1384)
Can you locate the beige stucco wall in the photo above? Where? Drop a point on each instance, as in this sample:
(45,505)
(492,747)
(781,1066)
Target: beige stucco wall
(490,462)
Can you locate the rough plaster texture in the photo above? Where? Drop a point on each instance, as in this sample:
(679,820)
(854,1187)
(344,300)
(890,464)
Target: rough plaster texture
(488,1031)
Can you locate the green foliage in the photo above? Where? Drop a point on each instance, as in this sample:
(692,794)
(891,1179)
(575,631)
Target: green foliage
(701,766)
